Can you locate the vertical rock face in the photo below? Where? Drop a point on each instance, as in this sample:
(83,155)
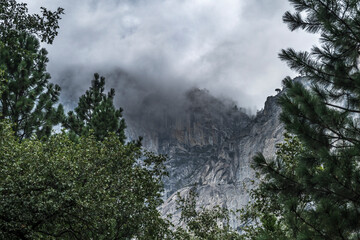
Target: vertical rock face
(210,144)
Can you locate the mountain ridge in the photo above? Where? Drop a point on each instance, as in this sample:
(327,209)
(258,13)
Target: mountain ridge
(211,146)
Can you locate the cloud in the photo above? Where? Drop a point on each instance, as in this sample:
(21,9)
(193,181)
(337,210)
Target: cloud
(162,48)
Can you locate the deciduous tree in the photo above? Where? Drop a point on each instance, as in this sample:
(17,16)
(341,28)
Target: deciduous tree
(61,189)
(200,223)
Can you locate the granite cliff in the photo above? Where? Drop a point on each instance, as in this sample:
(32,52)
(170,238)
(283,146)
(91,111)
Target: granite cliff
(210,145)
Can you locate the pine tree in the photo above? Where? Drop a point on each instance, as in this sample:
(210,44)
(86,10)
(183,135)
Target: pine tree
(28,98)
(321,198)
(96,112)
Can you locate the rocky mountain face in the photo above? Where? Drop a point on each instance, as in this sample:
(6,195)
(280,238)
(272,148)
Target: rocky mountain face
(210,144)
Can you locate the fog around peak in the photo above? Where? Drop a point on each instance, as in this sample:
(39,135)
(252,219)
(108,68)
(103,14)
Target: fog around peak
(152,52)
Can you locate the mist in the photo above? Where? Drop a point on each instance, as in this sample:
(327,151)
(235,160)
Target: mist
(153,52)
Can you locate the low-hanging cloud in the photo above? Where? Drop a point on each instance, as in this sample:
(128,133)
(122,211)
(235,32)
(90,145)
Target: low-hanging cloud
(158,49)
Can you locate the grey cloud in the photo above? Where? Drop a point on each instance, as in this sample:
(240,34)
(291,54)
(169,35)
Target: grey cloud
(155,50)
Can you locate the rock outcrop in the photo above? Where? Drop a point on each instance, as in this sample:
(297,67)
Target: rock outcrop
(210,145)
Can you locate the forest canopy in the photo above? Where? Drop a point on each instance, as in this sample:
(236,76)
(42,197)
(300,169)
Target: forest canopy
(90,182)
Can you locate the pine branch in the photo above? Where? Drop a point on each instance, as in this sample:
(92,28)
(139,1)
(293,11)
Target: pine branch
(342,108)
(311,225)
(355,36)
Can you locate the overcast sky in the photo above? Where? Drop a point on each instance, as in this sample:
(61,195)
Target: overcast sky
(164,47)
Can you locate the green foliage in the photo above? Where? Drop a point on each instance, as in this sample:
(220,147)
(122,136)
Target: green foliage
(202,223)
(96,112)
(2,82)
(15,20)
(265,217)
(28,98)
(60,189)
(318,189)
